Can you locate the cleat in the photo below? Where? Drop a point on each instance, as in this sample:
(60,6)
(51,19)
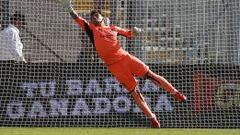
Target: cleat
(155,123)
(180,97)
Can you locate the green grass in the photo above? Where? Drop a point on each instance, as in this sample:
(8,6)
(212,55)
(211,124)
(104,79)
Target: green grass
(115,131)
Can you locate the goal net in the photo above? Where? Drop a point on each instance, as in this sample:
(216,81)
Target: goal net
(194,44)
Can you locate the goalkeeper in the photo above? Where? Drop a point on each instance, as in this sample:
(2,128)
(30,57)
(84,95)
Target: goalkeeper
(124,66)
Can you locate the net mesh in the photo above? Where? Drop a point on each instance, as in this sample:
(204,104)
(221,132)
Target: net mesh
(192,43)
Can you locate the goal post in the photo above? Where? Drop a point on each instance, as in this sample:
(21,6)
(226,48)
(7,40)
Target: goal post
(192,43)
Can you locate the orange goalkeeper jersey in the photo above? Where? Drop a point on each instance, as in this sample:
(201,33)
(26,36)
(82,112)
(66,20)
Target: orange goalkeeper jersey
(105,40)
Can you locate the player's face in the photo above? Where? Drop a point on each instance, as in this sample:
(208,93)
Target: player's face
(19,24)
(97,18)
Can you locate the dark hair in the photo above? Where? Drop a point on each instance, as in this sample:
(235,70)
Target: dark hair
(94,12)
(17,16)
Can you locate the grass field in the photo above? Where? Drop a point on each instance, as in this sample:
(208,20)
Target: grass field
(115,131)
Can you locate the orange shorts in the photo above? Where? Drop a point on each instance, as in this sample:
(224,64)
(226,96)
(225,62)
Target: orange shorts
(127,69)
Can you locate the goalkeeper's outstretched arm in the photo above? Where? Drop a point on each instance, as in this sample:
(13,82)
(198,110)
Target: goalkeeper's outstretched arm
(68,7)
(84,24)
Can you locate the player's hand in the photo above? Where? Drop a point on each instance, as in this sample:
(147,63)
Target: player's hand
(25,61)
(22,60)
(66,4)
(137,31)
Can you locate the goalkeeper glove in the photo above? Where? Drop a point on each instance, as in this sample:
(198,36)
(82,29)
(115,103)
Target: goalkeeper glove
(66,5)
(137,31)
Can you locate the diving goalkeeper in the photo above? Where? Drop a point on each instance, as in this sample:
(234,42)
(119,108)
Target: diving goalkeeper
(124,66)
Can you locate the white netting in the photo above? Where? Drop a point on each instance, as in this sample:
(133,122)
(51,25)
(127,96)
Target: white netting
(193,43)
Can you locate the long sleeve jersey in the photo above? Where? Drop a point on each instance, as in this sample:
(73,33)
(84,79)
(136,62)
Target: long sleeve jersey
(11,45)
(105,40)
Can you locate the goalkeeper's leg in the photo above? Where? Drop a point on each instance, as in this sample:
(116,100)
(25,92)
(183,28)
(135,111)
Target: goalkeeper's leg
(162,82)
(139,100)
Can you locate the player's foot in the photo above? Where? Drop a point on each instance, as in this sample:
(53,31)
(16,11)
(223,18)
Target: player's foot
(180,97)
(155,123)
